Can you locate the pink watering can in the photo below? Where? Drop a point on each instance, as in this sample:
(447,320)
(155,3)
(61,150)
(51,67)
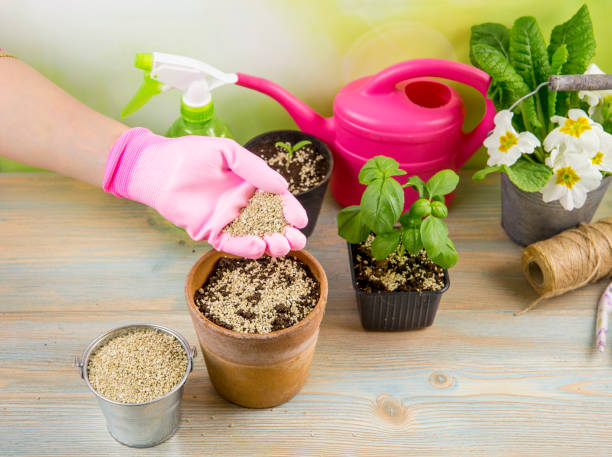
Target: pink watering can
(397,112)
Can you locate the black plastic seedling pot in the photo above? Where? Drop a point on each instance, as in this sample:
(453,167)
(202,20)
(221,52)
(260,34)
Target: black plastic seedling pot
(312,199)
(396,310)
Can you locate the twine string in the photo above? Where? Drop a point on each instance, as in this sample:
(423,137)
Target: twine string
(569,260)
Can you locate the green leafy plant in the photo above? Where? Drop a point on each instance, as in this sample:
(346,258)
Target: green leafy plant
(518,61)
(291,149)
(380,210)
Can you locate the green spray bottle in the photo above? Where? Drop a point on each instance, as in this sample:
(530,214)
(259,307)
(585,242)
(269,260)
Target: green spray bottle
(195,79)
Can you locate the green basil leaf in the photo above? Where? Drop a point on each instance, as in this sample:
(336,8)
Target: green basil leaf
(382,204)
(557,61)
(481,174)
(385,244)
(411,240)
(299,145)
(492,34)
(379,167)
(528,176)
(493,62)
(417,184)
(442,183)
(351,226)
(447,257)
(420,209)
(439,210)
(433,233)
(282,144)
(408,221)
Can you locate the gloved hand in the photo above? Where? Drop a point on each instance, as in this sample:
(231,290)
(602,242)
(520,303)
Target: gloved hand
(201,184)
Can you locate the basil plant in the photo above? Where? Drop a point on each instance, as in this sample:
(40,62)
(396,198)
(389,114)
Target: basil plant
(380,213)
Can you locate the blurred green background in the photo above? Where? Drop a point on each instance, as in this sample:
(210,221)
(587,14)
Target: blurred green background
(312,47)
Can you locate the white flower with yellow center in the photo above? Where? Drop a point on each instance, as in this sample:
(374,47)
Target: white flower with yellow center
(594,97)
(574,176)
(505,145)
(577,132)
(602,159)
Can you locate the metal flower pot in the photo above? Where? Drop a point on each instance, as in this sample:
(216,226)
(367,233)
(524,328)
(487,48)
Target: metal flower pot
(139,424)
(526,218)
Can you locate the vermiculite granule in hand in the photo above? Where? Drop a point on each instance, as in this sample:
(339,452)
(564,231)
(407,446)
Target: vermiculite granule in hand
(137,367)
(263,215)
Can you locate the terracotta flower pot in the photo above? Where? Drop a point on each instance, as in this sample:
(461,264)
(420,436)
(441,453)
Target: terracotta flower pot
(256,370)
(526,218)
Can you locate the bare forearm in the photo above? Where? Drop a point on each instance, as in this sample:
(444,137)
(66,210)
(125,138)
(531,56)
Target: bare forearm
(42,125)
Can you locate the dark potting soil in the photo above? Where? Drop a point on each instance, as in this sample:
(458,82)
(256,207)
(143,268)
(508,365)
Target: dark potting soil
(258,296)
(397,273)
(306,169)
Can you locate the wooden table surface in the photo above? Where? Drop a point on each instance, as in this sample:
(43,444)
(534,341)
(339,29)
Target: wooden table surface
(75,262)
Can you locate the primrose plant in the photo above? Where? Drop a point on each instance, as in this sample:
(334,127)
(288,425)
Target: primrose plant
(552,146)
(380,210)
(291,149)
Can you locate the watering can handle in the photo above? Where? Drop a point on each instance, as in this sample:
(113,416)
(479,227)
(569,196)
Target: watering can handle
(385,82)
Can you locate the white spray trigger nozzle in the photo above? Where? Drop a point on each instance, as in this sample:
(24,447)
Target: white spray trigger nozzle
(194,78)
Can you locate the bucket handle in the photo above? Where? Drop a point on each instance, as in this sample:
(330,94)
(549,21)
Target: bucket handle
(194,352)
(385,82)
(78,363)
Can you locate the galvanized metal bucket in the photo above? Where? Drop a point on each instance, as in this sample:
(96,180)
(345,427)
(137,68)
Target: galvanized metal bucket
(139,424)
(526,218)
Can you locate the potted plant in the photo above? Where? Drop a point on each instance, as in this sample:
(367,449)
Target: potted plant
(247,367)
(303,160)
(555,158)
(399,262)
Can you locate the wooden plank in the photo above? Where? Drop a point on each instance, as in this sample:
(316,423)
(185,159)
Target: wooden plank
(75,262)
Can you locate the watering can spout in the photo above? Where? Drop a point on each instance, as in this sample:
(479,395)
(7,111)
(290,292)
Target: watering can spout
(304,116)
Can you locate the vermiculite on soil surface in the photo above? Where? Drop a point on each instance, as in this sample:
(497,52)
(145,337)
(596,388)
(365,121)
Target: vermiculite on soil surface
(258,296)
(304,171)
(263,215)
(140,366)
(396,273)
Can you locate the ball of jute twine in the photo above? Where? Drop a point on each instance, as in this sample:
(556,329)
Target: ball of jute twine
(569,260)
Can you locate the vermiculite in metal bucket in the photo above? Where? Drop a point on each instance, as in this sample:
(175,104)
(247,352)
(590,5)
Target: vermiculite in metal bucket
(139,424)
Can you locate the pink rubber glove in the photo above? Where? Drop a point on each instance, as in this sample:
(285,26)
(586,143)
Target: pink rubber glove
(201,184)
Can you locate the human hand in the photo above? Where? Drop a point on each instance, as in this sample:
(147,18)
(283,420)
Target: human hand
(201,184)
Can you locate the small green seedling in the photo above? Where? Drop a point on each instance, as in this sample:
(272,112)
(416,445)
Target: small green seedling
(291,149)
(422,227)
